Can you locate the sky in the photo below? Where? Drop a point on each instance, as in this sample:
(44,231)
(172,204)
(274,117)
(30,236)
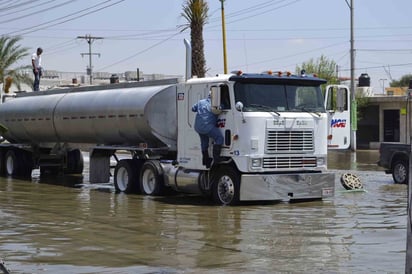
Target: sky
(260,35)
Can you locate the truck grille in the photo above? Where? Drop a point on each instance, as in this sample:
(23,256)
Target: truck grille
(289,162)
(289,141)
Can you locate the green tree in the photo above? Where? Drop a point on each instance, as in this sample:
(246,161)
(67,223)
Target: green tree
(10,53)
(196,14)
(322,67)
(403,82)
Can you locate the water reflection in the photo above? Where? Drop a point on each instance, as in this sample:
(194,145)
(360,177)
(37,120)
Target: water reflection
(349,160)
(48,227)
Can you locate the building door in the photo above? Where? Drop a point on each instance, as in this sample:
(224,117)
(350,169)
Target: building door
(391,125)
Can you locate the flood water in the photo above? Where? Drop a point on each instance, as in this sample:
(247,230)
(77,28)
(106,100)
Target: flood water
(52,227)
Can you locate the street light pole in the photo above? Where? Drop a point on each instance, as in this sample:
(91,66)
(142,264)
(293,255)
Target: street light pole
(224,37)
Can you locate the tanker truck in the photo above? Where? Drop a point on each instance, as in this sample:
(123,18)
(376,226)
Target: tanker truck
(274,127)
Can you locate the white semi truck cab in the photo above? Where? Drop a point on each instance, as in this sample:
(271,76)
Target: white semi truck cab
(274,125)
(275,135)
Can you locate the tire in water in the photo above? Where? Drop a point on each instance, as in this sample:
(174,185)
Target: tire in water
(151,178)
(226,186)
(125,177)
(400,172)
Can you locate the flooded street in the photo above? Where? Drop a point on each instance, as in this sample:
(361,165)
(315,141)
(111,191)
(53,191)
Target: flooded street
(49,227)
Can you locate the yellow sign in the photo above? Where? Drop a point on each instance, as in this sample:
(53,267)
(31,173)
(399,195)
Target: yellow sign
(403,111)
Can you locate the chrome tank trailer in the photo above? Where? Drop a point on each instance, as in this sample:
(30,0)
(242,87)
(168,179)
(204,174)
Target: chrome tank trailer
(123,116)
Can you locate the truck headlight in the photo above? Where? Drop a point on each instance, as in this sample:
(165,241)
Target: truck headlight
(256,163)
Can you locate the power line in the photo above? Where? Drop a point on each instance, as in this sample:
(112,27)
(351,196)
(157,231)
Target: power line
(383,50)
(140,52)
(37,12)
(30,7)
(379,67)
(254,8)
(37,28)
(16,5)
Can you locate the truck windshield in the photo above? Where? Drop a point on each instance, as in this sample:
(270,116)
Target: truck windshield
(279,97)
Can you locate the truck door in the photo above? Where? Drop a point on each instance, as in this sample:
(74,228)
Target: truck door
(188,141)
(337,104)
(189,150)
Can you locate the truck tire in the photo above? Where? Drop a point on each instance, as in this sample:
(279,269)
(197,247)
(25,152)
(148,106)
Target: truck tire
(226,186)
(2,163)
(75,162)
(151,178)
(125,177)
(10,163)
(400,170)
(18,163)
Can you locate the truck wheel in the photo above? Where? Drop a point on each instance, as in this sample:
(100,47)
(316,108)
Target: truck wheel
(400,171)
(26,165)
(18,163)
(125,176)
(226,186)
(74,162)
(2,163)
(151,178)
(10,161)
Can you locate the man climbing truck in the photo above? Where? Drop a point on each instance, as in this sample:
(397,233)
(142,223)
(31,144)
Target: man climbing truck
(274,128)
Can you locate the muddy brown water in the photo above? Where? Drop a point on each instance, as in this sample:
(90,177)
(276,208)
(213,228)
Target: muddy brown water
(65,225)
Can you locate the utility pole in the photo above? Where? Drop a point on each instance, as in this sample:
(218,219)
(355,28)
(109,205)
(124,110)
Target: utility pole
(90,39)
(408,264)
(354,122)
(224,37)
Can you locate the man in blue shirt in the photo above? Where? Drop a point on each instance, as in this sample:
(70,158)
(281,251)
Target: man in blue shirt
(205,126)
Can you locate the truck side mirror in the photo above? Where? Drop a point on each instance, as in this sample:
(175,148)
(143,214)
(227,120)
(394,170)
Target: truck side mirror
(239,106)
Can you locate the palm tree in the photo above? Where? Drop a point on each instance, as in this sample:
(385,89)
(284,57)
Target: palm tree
(196,14)
(10,53)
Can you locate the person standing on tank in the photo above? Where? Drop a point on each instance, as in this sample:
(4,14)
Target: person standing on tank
(37,69)
(205,126)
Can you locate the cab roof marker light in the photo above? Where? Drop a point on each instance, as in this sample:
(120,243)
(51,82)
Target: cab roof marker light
(269,72)
(237,72)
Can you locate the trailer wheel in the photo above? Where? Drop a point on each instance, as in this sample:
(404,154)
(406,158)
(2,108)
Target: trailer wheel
(10,161)
(226,186)
(125,176)
(400,172)
(2,163)
(18,163)
(151,178)
(75,162)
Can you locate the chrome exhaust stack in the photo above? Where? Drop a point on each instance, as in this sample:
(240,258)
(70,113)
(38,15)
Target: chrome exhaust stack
(188,59)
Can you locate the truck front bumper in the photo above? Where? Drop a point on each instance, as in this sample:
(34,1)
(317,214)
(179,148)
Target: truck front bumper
(286,187)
